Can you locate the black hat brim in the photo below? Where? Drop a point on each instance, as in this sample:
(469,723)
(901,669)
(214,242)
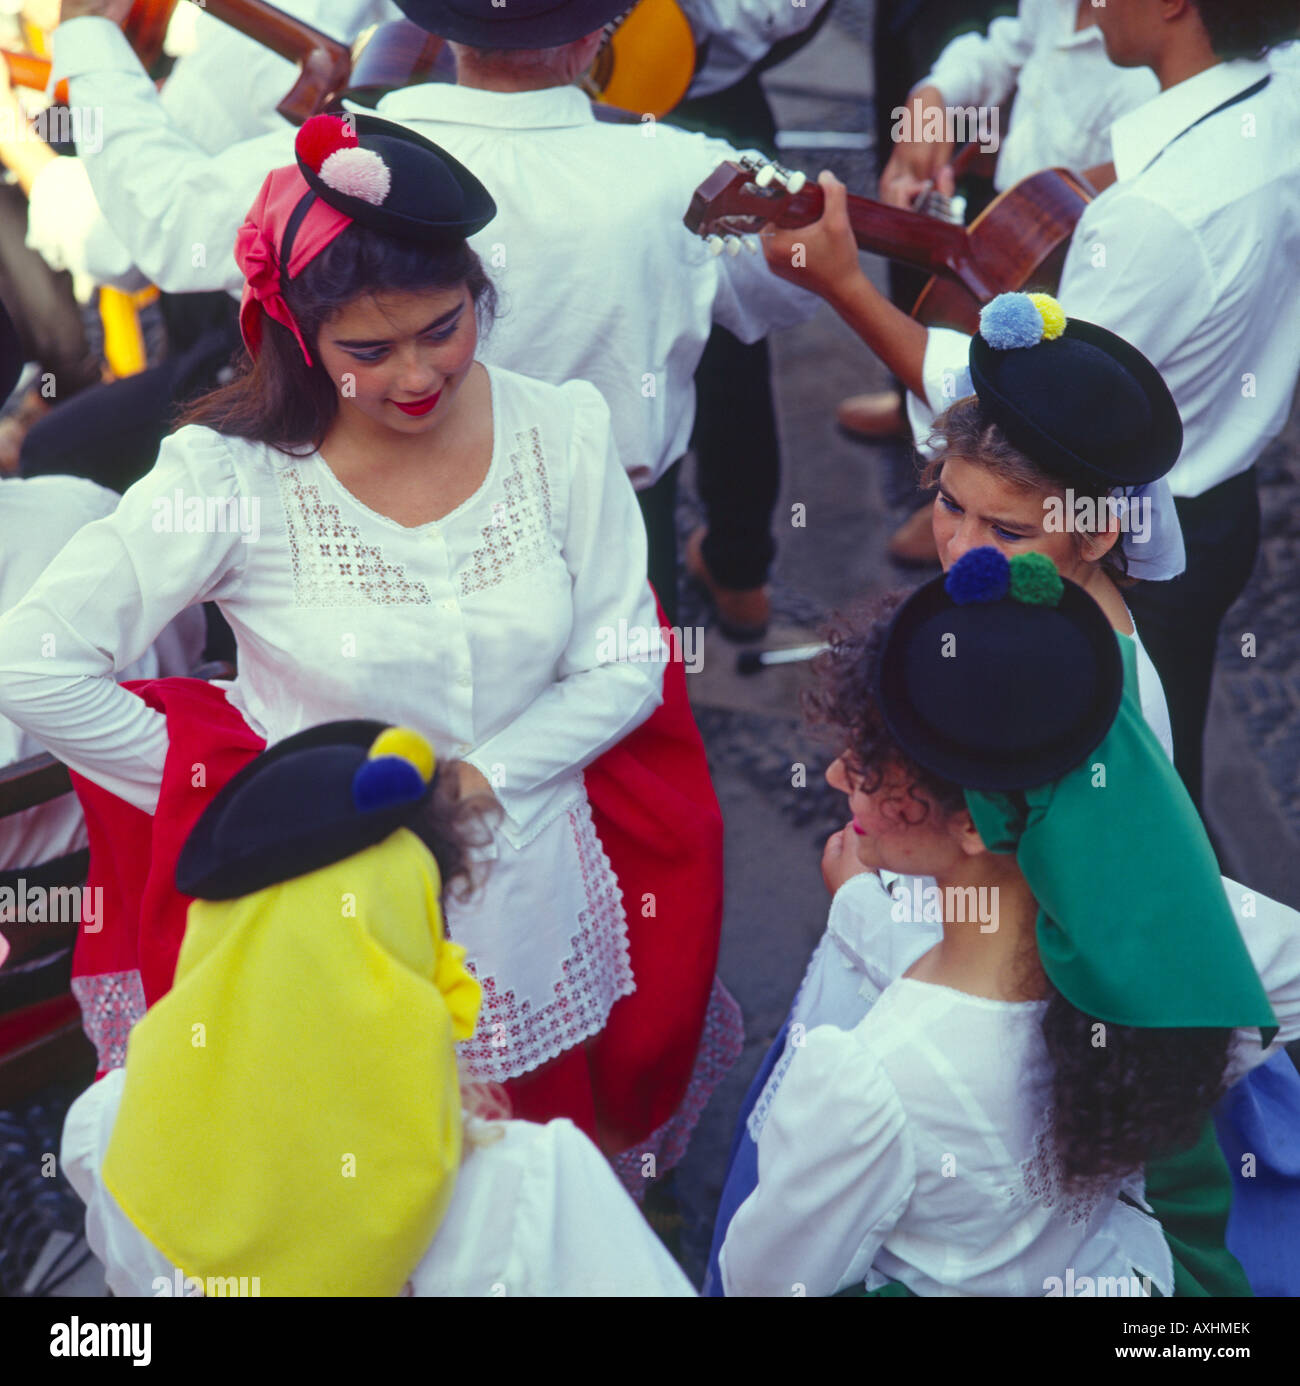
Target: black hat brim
(287,813)
(1067,429)
(464,205)
(1095,683)
(486,26)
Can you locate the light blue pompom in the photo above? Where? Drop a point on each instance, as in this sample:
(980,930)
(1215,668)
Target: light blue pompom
(1011,321)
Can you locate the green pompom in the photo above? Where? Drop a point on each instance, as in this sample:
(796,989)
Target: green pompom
(1035,581)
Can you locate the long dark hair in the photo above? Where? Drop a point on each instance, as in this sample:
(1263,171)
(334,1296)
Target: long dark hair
(1141,1093)
(276,397)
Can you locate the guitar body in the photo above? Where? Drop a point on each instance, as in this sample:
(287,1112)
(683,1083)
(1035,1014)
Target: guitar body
(648,62)
(1018,242)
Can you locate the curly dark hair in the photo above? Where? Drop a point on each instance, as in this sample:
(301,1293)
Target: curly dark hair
(1120,1094)
(965,430)
(843,702)
(276,397)
(452,827)
(1248,28)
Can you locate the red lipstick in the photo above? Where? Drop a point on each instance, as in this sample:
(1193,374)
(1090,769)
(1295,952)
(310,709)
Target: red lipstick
(419,406)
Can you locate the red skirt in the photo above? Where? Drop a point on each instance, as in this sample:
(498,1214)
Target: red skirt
(658,819)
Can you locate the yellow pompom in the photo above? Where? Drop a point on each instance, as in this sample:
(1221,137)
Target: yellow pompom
(1052,313)
(410,745)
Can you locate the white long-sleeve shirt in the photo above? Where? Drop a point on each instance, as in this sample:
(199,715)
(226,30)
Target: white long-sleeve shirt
(1193,256)
(598,277)
(1068,92)
(37,518)
(222,90)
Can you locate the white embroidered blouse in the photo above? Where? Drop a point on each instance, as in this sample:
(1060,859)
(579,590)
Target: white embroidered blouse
(493,631)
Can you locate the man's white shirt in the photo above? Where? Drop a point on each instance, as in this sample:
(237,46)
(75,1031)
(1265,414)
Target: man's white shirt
(598,278)
(1193,256)
(1068,92)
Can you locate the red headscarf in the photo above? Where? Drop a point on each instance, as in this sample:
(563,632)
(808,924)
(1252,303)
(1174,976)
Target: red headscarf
(257,250)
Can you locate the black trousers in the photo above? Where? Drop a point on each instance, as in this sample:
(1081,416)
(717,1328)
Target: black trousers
(658,509)
(738,461)
(1179,620)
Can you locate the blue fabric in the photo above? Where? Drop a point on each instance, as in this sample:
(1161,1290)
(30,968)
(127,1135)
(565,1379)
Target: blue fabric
(1260,1117)
(742,1165)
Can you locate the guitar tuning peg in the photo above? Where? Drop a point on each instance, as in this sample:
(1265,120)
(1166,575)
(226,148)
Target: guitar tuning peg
(732,244)
(766,176)
(795,182)
(715,244)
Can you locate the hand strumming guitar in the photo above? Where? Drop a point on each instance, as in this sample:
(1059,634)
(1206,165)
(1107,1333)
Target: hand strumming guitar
(917,165)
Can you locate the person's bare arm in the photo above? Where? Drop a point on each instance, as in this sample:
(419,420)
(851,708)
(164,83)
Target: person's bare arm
(823,257)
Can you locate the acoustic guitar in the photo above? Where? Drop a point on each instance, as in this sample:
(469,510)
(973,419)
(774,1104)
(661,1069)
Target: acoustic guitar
(1018,241)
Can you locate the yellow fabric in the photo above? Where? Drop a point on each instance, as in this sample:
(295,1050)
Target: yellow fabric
(291,1107)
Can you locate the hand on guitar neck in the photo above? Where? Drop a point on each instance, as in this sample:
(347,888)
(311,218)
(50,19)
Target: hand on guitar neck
(823,258)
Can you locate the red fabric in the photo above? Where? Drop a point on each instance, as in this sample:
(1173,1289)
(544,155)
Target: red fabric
(658,819)
(133,856)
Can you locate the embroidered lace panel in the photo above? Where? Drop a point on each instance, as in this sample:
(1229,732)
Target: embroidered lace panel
(513,1036)
(518,539)
(758,1114)
(332,563)
(111,1002)
(1042,1180)
(721,1045)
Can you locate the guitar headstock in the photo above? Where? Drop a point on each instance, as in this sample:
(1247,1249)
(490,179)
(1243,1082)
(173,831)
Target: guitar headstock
(741,196)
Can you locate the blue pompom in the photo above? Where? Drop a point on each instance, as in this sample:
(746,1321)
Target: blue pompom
(1011,321)
(386,782)
(982,575)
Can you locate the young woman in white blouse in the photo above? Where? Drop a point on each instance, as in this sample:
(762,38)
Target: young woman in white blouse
(390,526)
(330,1147)
(1020,473)
(983,1129)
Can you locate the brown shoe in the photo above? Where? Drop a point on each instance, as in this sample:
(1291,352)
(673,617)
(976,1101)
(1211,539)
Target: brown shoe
(913,542)
(743,615)
(873,416)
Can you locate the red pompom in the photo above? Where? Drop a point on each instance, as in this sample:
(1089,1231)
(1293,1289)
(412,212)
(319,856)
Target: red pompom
(321,136)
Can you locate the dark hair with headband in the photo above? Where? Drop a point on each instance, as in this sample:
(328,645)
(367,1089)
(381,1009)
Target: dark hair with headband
(1139,1093)
(278,399)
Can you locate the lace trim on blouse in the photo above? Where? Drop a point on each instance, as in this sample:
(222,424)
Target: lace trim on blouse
(111,1003)
(518,537)
(1043,1181)
(512,1036)
(332,564)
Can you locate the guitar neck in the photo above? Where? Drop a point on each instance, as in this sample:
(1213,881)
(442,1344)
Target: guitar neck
(272,28)
(935,246)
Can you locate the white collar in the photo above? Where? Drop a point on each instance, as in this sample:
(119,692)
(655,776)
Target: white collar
(1138,136)
(510,110)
